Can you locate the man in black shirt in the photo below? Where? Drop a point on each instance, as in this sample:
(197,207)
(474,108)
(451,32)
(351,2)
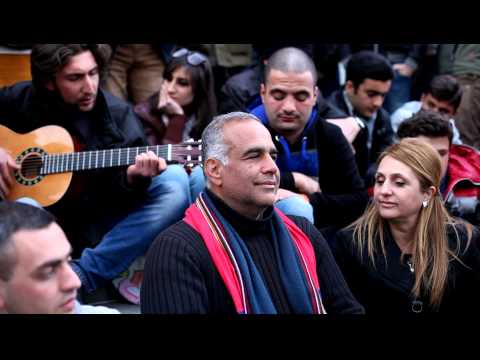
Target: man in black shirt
(234,252)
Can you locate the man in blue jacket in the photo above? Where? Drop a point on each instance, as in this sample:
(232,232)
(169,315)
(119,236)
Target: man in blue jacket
(314,158)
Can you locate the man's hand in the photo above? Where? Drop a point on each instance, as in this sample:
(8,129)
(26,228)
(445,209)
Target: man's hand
(285,194)
(305,184)
(7,166)
(404,69)
(349,127)
(167,104)
(146,165)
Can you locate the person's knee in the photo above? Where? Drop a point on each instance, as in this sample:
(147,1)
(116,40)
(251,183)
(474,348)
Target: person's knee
(173,184)
(297,207)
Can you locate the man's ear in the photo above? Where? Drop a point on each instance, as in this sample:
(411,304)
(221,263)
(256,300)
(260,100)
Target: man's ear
(262,92)
(316,92)
(349,87)
(214,171)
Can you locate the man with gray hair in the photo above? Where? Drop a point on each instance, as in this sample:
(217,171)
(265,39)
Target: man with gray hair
(315,158)
(234,252)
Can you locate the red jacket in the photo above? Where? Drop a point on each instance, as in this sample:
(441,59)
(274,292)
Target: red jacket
(462,194)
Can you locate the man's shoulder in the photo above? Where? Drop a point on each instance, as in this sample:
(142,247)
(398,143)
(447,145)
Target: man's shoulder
(245,79)
(93,310)
(336,98)
(113,102)
(179,232)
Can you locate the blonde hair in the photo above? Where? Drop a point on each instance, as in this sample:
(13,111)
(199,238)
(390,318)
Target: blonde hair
(431,251)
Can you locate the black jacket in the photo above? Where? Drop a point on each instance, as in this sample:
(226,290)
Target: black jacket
(240,90)
(94,194)
(387,289)
(180,277)
(382,135)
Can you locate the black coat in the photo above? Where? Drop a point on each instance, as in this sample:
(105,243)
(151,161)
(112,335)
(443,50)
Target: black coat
(387,289)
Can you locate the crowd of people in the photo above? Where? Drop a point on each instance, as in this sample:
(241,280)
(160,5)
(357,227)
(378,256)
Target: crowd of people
(313,179)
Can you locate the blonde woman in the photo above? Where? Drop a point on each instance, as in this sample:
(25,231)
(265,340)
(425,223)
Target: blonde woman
(406,254)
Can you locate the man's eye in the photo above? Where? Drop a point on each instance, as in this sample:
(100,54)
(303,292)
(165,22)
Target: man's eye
(301,97)
(47,273)
(379,181)
(274,156)
(278,95)
(399,183)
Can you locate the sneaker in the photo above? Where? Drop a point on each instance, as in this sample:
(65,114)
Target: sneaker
(129,282)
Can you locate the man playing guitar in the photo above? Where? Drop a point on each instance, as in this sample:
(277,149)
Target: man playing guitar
(119,209)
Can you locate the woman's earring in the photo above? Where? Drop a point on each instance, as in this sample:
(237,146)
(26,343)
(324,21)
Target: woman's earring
(425,203)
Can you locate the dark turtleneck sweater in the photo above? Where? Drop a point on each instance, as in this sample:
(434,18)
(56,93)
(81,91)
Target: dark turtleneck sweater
(180,277)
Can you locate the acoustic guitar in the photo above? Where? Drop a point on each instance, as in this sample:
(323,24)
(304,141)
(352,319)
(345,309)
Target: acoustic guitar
(47,160)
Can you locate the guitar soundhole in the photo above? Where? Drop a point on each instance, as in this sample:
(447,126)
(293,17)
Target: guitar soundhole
(31,166)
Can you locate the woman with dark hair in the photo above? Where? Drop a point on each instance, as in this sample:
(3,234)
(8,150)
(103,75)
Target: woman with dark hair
(406,254)
(183,106)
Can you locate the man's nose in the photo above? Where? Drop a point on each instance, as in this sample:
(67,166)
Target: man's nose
(289,105)
(89,85)
(378,101)
(69,279)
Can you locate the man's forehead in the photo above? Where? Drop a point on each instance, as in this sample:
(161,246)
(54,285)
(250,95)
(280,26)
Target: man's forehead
(279,78)
(246,132)
(79,63)
(37,247)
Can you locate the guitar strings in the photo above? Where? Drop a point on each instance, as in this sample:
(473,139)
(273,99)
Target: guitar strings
(31,166)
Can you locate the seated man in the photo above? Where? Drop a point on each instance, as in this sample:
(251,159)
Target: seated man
(314,157)
(443,95)
(368,80)
(121,209)
(234,252)
(460,186)
(35,274)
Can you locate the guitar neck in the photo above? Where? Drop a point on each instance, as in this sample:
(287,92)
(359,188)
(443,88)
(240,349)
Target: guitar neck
(100,159)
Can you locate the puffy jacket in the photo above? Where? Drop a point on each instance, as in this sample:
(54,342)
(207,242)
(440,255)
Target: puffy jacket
(462,193)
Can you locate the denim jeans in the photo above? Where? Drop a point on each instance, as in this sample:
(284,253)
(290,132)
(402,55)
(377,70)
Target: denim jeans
(197,182)
(168,198)
(296,206)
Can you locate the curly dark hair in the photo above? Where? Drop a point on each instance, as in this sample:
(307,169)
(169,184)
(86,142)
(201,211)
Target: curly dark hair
(48,59)
(426,123)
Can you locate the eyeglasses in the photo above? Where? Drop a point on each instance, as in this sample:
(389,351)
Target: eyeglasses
(194,58)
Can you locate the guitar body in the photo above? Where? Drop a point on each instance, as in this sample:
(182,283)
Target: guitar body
(26,149)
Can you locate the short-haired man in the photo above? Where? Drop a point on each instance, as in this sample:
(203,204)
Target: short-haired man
(35,273)
(368,80)
(314,157)
(234,252)
(121,209)
(460,186)
(443,95)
